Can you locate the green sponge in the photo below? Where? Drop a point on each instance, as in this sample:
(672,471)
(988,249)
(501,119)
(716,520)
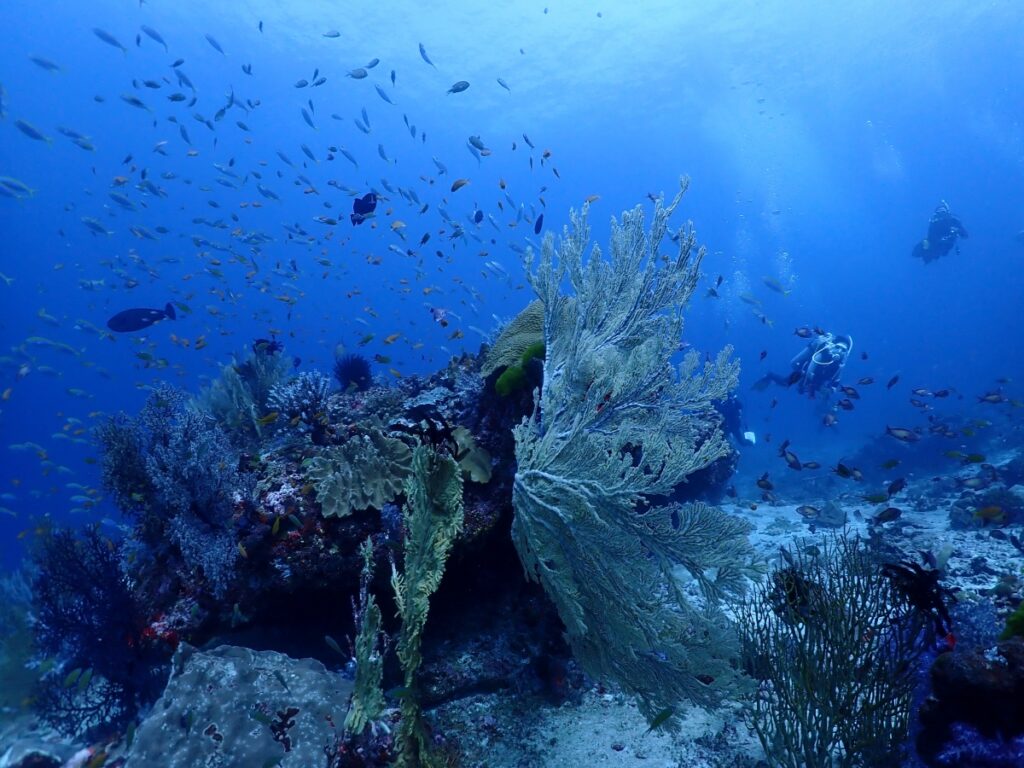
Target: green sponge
(1014,624)
(513,378)
(534,350)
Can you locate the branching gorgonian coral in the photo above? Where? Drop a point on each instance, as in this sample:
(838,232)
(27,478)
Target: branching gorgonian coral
(614,425)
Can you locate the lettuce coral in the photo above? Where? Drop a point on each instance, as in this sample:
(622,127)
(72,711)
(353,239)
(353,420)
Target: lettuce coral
(366,471)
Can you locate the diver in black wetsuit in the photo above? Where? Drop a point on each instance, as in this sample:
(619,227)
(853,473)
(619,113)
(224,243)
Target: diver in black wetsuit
(731,411)
(816,367)
(944,229)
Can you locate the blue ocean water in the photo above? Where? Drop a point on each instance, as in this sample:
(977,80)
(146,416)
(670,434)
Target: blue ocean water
(818,138)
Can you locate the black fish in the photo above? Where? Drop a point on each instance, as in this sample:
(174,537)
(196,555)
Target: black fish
(538,225)
(478,216)
(363,207)
(267,346)
(139,318)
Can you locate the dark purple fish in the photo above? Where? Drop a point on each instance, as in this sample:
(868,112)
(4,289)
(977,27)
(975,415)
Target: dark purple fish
(363,207)
(136,319)
(538,225)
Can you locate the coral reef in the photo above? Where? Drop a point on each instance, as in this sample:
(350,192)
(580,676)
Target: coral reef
(614,426)
(273,496)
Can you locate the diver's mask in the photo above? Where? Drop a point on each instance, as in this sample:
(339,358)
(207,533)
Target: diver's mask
(833,350)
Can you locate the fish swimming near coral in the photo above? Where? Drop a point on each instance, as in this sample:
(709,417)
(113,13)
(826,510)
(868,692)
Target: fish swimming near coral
(130,320)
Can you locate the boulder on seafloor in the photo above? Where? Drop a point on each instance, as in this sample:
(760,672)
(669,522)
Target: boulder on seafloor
(30,753)
(234,706)
(973,715)
(25,743)
(996,505)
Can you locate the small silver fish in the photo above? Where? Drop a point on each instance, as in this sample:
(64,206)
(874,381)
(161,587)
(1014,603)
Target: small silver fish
(154,35)
(216,46)
(109,39)
(423,55)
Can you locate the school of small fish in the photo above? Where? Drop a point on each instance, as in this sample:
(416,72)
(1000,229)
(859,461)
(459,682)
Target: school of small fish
(192,211)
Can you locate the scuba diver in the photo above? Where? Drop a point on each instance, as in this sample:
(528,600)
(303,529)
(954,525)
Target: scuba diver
(944,229)
(733,426)
(816,367)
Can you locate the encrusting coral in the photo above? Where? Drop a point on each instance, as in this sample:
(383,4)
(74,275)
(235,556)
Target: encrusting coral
(524,330)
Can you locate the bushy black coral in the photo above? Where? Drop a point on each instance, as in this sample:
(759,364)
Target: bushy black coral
(835,644)
(173,469)
(86,617)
